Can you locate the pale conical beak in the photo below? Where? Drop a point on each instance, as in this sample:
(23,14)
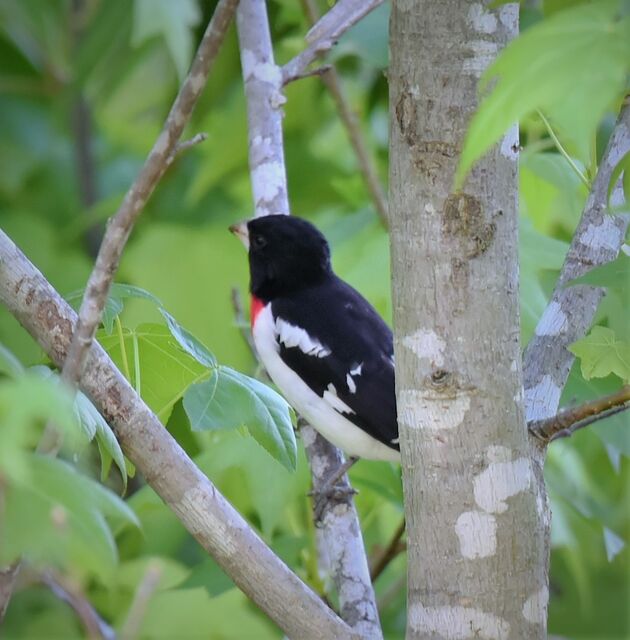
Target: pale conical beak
(240,229)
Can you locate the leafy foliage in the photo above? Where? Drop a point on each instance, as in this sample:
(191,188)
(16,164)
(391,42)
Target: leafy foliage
(122,60)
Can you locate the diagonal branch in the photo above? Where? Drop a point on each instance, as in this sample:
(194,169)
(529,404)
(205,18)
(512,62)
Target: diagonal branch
(597,239)
(341,533)
(200,507)
(349,118)
(326,32)
(157,162)
(569,421)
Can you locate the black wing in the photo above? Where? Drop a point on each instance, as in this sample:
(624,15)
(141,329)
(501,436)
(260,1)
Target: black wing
(338,317)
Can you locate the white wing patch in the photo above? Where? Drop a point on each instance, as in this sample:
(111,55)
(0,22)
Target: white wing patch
(331,397)
(356,371)
(292,336)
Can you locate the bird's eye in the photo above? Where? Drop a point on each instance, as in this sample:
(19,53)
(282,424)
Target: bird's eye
(259,241)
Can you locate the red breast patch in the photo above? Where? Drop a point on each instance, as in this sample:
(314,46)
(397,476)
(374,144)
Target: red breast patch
(256,307)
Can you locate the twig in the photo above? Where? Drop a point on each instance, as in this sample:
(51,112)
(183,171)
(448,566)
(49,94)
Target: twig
(241,321)
(569,421)
(389,553)
(340,534)
(186,144)
(598,237)
(154,167)
(317,71)
(8,578)
(138,609)
(196,502)
(95,627)
(326,32)
(351,122)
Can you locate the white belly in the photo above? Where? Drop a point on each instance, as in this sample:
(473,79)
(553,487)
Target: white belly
(330,423)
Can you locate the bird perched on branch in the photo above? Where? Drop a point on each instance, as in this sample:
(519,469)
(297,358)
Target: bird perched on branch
(321,342)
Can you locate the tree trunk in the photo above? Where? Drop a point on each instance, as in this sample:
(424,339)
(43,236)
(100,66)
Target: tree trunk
(475,506)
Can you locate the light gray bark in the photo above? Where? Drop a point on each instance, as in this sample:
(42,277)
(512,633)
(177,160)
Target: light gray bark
(477,548)
(341,533)
(597,239)
(201,508)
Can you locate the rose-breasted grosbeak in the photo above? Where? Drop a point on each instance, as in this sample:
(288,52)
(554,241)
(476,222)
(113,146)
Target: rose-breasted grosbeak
(321,342)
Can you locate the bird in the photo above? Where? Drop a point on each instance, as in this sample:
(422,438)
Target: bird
(322,343)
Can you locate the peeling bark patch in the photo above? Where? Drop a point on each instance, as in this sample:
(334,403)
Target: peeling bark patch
(426,344)
(263,71)
(457,623)
(605,236)
(57,326)
(477,533)
(407,116)
(429,409)
(479,56)
(463,218)
(553,321)
(500,481)
(268,179)
(541,400)
(195,500)
(481,19)
(535,607)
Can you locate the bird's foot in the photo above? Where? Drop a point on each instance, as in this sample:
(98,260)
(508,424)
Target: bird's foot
(335,490)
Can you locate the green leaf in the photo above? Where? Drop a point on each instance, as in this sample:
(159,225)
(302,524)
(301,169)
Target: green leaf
(623,166)
(601,354)
(160,370)
(188,342)
(174,21)
(209,575)
(229,400)
(112,309)
(59,515)
(576,57)
(9,364)
(615,276)
(96,426)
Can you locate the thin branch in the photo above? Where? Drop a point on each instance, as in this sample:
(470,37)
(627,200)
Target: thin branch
(394,548)
(326,32)
(8,578)
(95,627)
(121,224)
(569,421)
(138,609)
(597,239)
(317,71)
(349,118)
(180,147)
(340,534)
(240,320)
(200,507)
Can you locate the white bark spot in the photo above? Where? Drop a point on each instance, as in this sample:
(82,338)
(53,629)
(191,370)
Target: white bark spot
(308,436)
(197,82)
(514,366)
(428,409)
(477,533)
(481,19)
(500,481)
(429,208)
(457,623)
(509,145)
(553,321)
(267,180)
(161,144)
(605,236)
(541,400)
(482,54)
(195,501)
(426,344)
(508,16)
(263,71)
(535,607)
